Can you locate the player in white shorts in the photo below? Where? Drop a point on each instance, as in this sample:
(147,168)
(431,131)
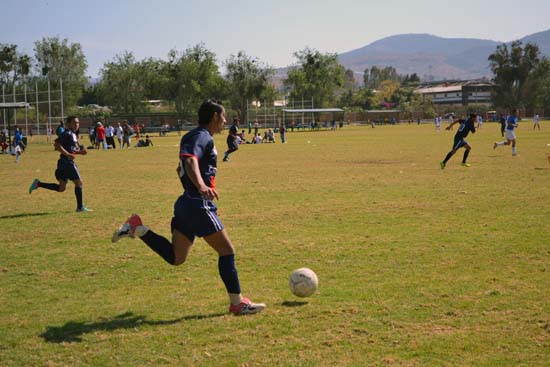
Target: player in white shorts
(511,124)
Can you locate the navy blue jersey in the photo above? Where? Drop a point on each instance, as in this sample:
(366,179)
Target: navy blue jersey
(464,129)
(198,143)
(69,141)
(234,129)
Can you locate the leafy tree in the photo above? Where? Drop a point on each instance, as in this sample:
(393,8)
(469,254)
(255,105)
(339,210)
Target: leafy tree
(190,77)
(512,66)
(317,75)
(375,76)
(60,60)
(540,85)
(13,66)
(122,85)
(247,79)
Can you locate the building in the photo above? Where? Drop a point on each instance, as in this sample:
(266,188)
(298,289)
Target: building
(461,92)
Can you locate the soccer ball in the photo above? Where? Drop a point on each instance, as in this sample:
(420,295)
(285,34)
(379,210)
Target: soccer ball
(303,282)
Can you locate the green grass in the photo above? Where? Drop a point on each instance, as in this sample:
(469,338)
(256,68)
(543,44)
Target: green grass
(417,266)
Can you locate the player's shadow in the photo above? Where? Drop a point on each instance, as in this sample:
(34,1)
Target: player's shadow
(294,303)
(23,215)
(73,331)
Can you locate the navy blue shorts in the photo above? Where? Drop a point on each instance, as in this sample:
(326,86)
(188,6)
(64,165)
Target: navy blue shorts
(459,143)
(66,170)
(195,216)
(232,143)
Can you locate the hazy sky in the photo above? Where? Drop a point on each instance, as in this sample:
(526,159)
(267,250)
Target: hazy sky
(269,30)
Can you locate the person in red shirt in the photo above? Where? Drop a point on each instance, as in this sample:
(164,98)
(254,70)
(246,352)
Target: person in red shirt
(99,136)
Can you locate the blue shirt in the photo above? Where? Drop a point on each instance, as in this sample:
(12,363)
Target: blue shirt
(69,141)
(512,122)
(59,131)
(198,143)
(18,137)
(464,129)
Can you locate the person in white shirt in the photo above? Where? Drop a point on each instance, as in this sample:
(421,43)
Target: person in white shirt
(109,136)
(119,134)
(536,121)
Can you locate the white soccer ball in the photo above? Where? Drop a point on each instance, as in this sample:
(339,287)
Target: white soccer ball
(303,282)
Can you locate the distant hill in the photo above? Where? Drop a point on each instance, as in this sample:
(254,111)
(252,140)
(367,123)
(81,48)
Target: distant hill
(433,57)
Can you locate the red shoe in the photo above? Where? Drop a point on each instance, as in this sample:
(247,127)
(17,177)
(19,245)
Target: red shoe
(128,229)
(246,307)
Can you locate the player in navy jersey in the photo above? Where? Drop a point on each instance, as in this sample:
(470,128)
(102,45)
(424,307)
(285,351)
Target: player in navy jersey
(232,141)
(195,211)
(466,126)
(67,145)
(511,124)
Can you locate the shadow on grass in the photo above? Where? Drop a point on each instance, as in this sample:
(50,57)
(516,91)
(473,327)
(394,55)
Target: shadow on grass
(294,303)
(23,215)
(73,331)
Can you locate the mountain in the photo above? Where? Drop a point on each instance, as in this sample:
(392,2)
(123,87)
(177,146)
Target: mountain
(432,57)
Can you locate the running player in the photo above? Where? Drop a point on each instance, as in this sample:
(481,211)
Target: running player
(466,125)
(195,211)
(511,124)
(232,142)
(67,145)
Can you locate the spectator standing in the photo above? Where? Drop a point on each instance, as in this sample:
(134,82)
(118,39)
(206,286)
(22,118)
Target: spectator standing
(99,136)
(119,134)
(282,132)
(109,136)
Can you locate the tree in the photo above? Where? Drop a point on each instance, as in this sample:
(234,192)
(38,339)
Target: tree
(60,60)
(191,77)
(122,84)
(13,66)
(375,76)
(540,85)
(318,76)
(512,66)
(247,79)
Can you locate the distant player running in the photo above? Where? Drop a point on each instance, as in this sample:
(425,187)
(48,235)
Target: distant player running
(67,145)
(466,125)
(232,141)
(511,124)
(195,211)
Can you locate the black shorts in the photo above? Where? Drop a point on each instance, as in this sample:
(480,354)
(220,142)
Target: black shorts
(66,170)
(232,143)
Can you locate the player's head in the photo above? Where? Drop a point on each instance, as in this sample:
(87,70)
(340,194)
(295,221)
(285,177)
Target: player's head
(212,113)
(73,123)
(236,120)
(473,116)
(514,111)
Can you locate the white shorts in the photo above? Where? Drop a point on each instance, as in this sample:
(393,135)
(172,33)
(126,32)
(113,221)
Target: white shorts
(510,135)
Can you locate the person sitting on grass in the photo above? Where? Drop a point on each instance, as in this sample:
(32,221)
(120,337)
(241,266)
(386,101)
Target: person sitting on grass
(144,143)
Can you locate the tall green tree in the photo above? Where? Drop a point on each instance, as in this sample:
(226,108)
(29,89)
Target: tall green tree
(318,76)
(60,60)
(247,79)
(540,86)
(375,76)
(13,65)
(512,67)
(190,77)
(123,84)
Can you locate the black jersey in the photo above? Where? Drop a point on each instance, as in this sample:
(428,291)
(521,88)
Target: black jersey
(466,125)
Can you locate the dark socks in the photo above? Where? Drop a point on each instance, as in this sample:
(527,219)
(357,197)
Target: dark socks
(160,245)
(228,273)
(448,157)
(49,186)
(78,194)
(466,153)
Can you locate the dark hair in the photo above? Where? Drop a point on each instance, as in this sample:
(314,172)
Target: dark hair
(70,118)
(207,110)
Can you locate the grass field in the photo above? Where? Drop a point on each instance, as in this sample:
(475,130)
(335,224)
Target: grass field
(417,266)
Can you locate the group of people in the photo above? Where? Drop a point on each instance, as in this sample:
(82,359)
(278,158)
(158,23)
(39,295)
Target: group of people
(468,125)
(103,137)
(195,214)
(18,145)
